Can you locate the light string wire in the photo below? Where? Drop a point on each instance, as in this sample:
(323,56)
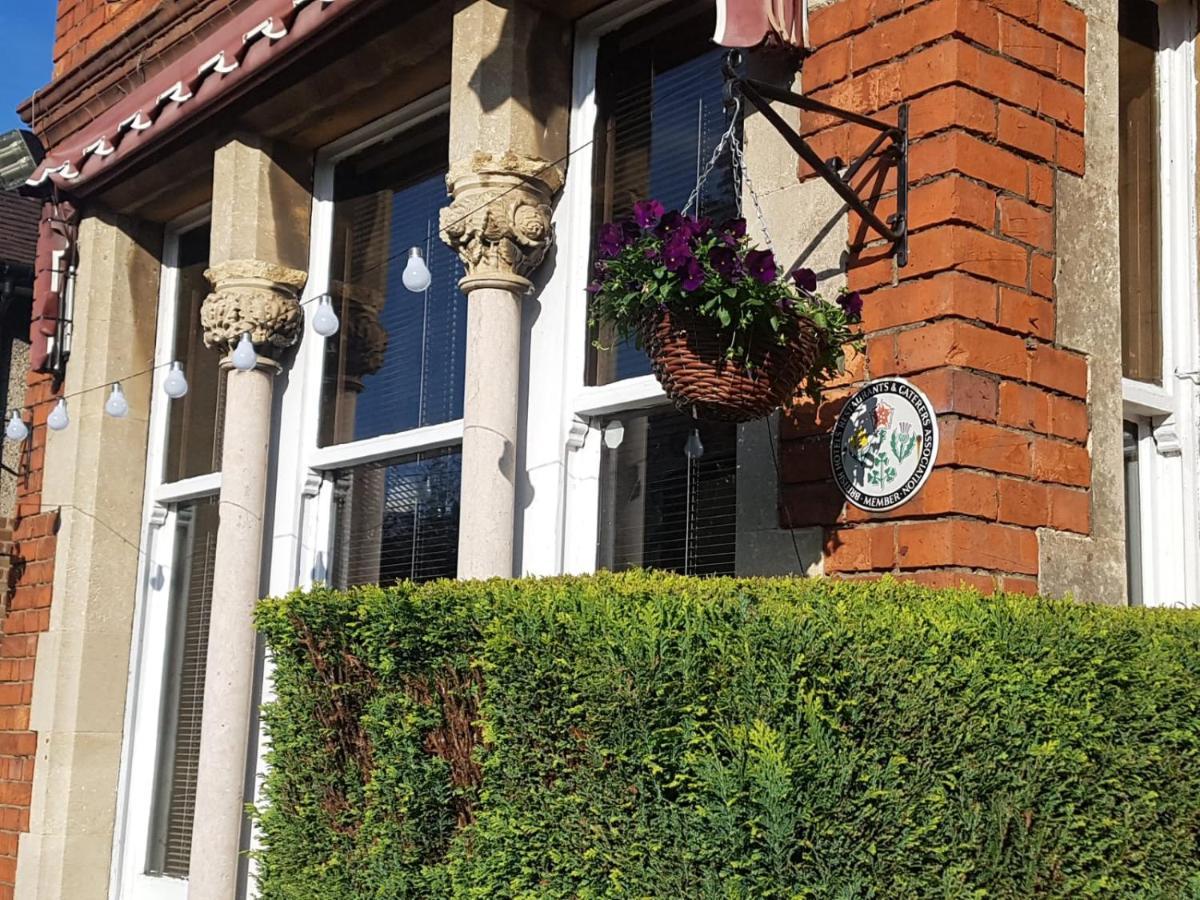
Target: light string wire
(326,295)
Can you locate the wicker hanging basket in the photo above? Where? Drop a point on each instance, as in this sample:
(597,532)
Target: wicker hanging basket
(687,355)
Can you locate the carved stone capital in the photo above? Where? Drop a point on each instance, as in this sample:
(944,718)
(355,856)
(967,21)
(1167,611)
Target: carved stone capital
(366,338)
(255,296)
(499,222)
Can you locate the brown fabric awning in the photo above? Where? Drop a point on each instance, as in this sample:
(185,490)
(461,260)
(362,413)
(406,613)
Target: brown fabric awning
(249,42)
(747,23)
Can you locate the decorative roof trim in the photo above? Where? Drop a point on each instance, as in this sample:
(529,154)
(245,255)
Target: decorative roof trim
(250,42)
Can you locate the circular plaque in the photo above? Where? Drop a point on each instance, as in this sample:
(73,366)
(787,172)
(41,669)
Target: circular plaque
(884,445)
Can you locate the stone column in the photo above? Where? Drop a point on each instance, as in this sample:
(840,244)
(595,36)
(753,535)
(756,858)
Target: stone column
(510,99)
(260,227)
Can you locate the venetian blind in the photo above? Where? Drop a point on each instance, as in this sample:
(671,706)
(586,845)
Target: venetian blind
(398,361)
(197,419)
(661,508)
(661,113)
(397,520)
(183,691)
(1138,192)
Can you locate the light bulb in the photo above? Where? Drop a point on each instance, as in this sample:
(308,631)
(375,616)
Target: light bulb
(416,274)
(16,430)
(695,447)
(325,321)
(245,357)
(614,434)
(58,420)
(176,385)
(116,405)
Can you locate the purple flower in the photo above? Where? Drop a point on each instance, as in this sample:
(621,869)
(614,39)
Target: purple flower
(674,223)
(806,279)
(733,231)
(785,305)
(651,252)
(693,275)
(612,240)
(648,213)
(852,303)
(700,227)
(595,287)
(630,231)
(676,252)
(761,266)
(725,261)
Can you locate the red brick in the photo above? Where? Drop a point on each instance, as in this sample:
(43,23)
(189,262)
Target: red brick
(1072,66)
(957,151)
(1026,223)
(952,200)
(1069,418)
(955,247)
(952,107)
(979,445)
(1070,510)
(1022,43)
(1041,276)
(1026,133)
(1011,585)
(1041,185)
(807,419)
(1070,155)
(966,542)
(945,294)
(947,492)
(1024,503)
(829,63)
(1063,103)
(1059,370)
(959,392)
(953,579)
(1064,21)
(860,549)
(1025,314)
(957,343)
(1025,407)
(925,25)
(1061,463)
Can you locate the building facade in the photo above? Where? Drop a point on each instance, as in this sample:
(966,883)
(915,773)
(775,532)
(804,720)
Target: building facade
(222,168)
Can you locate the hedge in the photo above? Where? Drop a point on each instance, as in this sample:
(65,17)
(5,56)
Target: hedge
(654,736)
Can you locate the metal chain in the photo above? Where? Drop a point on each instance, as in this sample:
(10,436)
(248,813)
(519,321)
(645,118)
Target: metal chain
(740,167)
(727,140)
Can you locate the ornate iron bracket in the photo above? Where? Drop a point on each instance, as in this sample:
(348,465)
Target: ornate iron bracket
(760,95)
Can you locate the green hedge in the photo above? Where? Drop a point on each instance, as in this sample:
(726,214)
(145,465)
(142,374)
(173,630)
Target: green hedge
(654,736)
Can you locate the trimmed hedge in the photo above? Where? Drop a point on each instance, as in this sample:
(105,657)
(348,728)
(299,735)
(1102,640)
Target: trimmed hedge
(655,736)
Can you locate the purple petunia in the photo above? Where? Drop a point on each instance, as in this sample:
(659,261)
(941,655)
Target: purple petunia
(630,231)
(733,231)
(700,227)
(676,252)
(852,303)
(692,275)
(761,266)
(674,223)
(725,261)
(595,287)
(611,241)
(648,213)
(806,279)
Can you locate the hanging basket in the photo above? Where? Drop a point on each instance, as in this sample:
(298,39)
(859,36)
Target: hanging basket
(687,355)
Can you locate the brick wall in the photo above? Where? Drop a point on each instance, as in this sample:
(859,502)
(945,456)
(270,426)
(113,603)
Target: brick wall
(26,615)
(87,26)
(997,111)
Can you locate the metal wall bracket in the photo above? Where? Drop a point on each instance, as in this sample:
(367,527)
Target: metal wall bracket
(761,95)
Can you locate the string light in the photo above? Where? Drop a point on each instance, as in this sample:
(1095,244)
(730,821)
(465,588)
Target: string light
(58,420)
(116,405)
(176,385)
(325,321)
(245,357)
(694,447)
(614,434)
(16,430)
(416,274)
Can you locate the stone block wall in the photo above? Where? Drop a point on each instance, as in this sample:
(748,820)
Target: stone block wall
(997,111)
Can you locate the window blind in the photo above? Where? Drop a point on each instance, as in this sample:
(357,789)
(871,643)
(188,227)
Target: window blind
(197,419)
(397,520)
(1138,192)
(183,691)
(661,114)
(398,361)
(661,508)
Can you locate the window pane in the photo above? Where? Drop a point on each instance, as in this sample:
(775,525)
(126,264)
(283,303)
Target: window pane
(183,691)
(196,420)
(660,508)
(397,520)
(1141,319)
(398,361)
(660,96)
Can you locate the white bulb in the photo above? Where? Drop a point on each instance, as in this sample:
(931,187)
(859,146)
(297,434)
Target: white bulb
(116,405)
(176,385)
(245,357)
(58,420)
(416,274)
(614,434)
(325,321)
(695,447)
(16,430)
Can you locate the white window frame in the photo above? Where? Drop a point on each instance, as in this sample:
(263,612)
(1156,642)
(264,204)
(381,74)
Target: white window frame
(142,748)
(1167,415)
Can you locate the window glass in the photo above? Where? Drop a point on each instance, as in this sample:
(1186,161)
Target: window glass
(195,420)
(661,113)
(1133,515)
(398,360)
(1141,302)
(183,691)
(668,495)
(397,520)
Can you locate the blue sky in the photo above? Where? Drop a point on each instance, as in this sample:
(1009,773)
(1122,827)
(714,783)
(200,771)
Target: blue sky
(28,30)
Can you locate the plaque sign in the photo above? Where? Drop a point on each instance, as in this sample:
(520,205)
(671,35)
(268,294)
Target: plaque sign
(884,445)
